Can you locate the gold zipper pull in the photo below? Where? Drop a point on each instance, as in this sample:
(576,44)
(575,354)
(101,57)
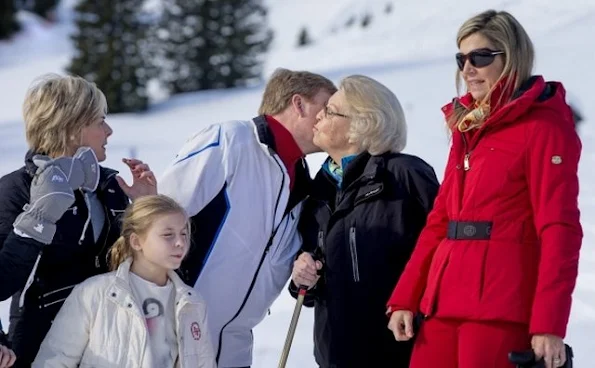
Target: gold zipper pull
(466,165)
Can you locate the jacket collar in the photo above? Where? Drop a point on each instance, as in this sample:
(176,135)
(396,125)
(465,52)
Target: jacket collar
(506,105)
(364,168)
(104,173)
(265,135)
(121,291)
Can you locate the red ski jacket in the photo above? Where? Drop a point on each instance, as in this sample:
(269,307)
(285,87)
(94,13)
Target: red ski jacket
(502,242)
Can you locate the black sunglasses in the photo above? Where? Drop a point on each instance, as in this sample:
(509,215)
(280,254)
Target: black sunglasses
(478,58)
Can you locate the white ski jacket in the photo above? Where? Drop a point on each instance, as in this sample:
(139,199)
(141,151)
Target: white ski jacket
(236,189)
(101,325)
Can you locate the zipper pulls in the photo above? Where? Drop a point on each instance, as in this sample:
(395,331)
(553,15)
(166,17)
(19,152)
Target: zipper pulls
(466,165)
(96,261)
(321,239)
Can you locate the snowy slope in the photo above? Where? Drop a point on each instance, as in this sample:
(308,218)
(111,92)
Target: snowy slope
(410,50)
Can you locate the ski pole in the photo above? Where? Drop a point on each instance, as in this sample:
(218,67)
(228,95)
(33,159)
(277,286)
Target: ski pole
(292,326)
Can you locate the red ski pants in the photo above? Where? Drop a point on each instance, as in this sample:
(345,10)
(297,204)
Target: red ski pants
(443,343)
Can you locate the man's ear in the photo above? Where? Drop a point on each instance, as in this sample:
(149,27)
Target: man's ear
(297,102)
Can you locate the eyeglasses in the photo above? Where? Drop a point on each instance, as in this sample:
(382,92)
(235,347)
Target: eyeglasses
(328,113)
(478,58)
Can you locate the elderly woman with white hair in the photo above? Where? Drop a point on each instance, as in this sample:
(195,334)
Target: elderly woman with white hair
(367,205)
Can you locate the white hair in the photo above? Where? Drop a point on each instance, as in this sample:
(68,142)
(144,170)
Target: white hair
(378,122)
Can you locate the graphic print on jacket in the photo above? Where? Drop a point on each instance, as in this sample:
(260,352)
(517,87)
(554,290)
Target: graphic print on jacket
(364,233)
(157,305)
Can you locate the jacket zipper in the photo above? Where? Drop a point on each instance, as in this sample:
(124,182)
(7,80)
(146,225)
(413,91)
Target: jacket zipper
(321,240)
(109,225)
(466,167)
(58,290)
(353,250)
(54,302)
(466,163)
(260,263)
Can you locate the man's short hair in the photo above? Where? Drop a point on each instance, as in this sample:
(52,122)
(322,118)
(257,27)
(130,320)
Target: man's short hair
(285,83)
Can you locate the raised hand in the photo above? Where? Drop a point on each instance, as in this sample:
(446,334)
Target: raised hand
(143,179)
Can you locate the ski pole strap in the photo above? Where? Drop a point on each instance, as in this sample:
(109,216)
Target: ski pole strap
(469,230)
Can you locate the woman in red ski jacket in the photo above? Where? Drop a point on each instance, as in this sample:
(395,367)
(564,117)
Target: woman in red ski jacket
(494,268)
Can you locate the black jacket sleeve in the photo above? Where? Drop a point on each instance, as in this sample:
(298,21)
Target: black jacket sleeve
(423,184)
(14,194)
(17,254)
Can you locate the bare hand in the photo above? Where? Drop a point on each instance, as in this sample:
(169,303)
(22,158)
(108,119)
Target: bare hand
(143,179)
(305,271)
(7,357)
(550,348)
(401,324)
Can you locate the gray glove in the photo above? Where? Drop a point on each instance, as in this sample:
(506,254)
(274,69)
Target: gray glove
(52,192)
(81,170)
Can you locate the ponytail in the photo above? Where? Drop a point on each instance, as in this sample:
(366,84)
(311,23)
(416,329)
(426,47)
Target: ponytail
(119,252)
(138,218)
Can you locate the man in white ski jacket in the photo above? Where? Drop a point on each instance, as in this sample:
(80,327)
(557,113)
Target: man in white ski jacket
(242,183)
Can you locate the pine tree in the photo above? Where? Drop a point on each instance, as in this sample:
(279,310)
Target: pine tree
(8,22)
(304,38)
(45,8)
(109,45)
(388,8)
(366,20)
(210,44)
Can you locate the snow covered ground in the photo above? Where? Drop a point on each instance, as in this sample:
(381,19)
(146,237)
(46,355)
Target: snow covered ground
(409,49)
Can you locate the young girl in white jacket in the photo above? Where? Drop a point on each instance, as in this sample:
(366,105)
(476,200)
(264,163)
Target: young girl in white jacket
(141,315)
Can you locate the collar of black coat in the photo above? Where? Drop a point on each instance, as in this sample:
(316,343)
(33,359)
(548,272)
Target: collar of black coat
(363,168)
(104,173)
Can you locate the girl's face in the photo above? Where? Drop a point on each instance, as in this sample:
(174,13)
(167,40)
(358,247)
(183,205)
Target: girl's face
(165,244)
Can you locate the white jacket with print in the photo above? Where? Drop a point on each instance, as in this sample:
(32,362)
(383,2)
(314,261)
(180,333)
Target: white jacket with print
(102,325)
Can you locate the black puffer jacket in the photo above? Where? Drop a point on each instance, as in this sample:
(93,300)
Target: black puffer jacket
(70,259)
(365,234)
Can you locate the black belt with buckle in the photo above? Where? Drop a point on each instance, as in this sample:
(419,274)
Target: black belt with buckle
(469,230)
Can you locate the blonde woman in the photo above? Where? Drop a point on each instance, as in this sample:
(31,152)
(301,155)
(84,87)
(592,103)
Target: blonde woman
(142,314)
(59,212)
(495,266)
(367,205)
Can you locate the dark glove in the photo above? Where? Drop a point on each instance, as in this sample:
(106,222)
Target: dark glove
(52,192)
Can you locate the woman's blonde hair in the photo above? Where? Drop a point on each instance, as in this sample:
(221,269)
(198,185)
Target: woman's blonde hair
(503,31)
(138,219)
(55,110)
(377,119)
